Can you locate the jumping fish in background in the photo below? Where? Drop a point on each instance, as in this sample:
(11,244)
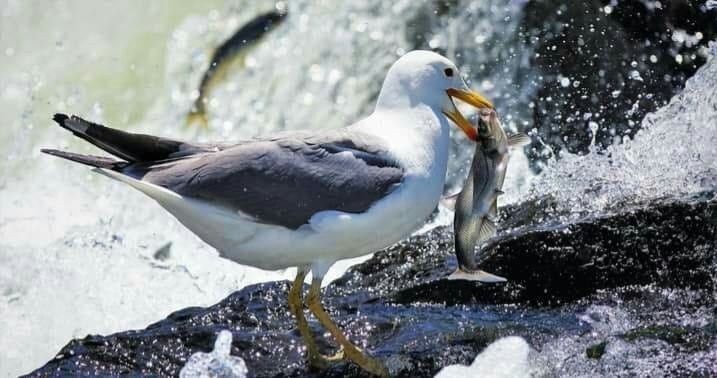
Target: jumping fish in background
(476,206)
(232,50)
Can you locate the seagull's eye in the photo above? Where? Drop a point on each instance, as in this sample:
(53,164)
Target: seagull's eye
(448,72)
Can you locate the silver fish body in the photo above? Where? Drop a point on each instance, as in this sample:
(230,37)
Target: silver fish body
(476,206)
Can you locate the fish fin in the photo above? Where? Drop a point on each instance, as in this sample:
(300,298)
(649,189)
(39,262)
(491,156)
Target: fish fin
(487,229)
(449,202)
(477,275)
(518,140)
(499,192)
(493,211)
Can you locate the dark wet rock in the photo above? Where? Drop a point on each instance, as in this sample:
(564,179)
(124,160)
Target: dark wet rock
(651,263)
(691,337)
(668,245)
(609,63)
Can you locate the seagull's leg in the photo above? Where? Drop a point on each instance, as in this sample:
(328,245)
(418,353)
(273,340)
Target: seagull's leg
(296,307)
(351,352)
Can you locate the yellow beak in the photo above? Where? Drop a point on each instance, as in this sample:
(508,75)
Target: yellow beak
(470,98)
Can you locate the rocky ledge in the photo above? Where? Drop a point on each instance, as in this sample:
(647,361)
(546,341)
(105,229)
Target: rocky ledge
(654,265)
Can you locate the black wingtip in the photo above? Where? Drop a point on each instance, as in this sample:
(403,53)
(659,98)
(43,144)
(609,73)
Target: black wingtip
(53,152)
(60,118)
(92,161)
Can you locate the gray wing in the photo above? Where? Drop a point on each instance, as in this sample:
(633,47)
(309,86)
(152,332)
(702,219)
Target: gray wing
(283,180)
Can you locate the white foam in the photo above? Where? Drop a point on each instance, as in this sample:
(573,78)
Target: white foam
(506,357)
(219,363)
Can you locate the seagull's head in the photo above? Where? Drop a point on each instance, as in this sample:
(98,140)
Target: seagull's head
(426,78)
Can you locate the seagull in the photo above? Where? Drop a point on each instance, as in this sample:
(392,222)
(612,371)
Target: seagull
(304,199)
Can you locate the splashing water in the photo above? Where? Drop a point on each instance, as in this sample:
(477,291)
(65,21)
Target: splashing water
(673,155)
(218,363)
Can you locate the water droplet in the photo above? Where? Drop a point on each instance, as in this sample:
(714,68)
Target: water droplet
(435,42)
(308,98)
(280,7)
(316,73)
(593,126)
(564,82)
(635,75)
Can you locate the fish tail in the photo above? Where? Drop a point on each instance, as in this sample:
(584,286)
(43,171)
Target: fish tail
(476,275)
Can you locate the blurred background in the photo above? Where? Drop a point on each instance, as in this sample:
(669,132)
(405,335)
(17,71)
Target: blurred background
(80,254)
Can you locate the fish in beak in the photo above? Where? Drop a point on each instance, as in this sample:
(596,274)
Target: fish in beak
(476,206)
(472,98)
